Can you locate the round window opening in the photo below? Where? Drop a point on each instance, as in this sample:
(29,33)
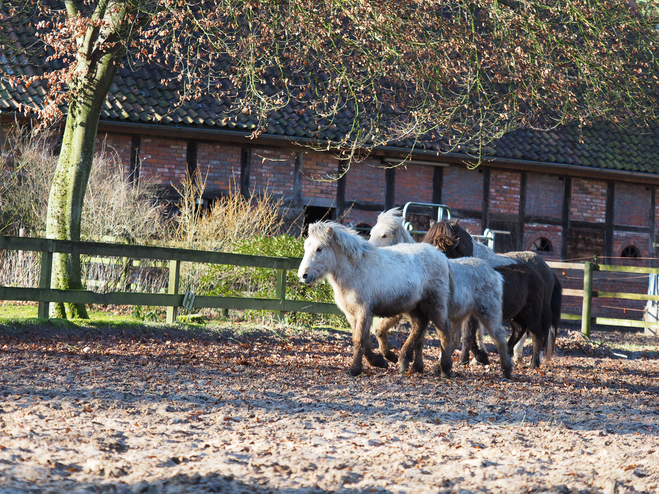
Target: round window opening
(630,251)
(541,245)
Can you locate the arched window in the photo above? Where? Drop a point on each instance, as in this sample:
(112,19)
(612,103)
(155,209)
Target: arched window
(541,244)
(630,251)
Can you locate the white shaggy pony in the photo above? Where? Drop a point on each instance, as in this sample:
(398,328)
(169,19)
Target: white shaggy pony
(476,290)
(367,281)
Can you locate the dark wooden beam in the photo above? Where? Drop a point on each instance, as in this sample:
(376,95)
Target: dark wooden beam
(389,188)
(297,180)
(486,198)
(245,170)
(651,221)
(608,221)
(522,210)
(191,159)
(437,184)
(341,190)
(567,197)
(135,159)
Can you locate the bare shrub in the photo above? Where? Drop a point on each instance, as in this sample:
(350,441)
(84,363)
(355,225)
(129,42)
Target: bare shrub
(115,210)
(227,223)
(228,220)
(27,168)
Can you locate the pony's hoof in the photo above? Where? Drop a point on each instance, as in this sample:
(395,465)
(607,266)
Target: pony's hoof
(377,360)
(507,373)
(418,368)
(391,357)
(437,370)
(354,372)
(482,359)
(402,368)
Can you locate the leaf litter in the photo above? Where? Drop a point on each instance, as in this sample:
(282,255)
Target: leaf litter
(164,410)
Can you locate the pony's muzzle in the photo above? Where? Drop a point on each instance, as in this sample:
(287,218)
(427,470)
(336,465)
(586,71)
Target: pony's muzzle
(306,278)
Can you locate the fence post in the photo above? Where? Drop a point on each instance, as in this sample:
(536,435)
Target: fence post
(44,280)
(587,298)
(281,291)
(172,288)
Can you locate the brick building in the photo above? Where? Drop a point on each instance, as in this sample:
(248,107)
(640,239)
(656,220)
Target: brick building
(568,197)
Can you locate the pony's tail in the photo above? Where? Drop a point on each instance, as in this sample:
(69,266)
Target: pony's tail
(556,303)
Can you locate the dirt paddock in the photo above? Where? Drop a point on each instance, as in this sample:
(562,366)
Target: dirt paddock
(232,410)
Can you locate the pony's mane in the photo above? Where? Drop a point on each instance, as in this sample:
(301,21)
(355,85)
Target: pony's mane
(450,238)
(352,244)
(393,221)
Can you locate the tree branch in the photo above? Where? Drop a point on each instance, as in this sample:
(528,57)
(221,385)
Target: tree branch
(71,8)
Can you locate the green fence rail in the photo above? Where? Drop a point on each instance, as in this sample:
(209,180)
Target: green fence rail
(589,292)
(172,300)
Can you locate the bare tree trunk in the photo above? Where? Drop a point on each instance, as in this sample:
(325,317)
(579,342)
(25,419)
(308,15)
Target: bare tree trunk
(69,185)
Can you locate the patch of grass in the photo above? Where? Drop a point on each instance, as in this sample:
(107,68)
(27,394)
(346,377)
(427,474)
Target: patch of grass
(23,311)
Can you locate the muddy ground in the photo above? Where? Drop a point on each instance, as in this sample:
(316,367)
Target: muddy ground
(242,409)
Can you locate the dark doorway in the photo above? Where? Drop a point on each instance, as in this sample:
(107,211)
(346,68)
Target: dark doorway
(506,233)
(316,213)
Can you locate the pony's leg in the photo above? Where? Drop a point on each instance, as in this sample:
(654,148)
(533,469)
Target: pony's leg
(449,337)
(497,333)
(375,359)
(476,335)
(537,350)
(417,364)
(382,334)
(360,321)
(414,342)
(518,349)
(467,342)
(518,334)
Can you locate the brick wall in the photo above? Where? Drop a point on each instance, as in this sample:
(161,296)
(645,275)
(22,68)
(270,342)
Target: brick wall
(220,164)
(473,226)
(365,182)
(163,160)
(319,173)
(463,188)
(413,184)
(115,146)
(588,200)
(504,192)
(631,204)
(553,233)
(272,170)
(354,216)
(624,239)
(544,196)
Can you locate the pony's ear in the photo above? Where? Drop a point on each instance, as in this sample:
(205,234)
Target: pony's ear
(432,222)
(330,232)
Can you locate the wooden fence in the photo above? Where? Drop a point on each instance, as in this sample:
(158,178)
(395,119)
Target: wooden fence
(588,293)
(172,299)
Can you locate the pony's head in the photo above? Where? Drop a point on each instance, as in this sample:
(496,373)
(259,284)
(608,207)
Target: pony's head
(390,230)
(450,238)
(328,245)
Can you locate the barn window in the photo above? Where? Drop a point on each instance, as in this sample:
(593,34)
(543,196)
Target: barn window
(630,251)
(541,244)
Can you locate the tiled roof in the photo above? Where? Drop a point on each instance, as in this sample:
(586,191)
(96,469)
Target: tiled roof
(138,95)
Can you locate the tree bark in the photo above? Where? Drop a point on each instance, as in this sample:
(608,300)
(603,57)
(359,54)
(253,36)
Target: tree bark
(67,193)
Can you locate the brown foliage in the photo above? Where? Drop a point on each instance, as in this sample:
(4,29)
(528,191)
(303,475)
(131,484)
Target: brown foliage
(451,73)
